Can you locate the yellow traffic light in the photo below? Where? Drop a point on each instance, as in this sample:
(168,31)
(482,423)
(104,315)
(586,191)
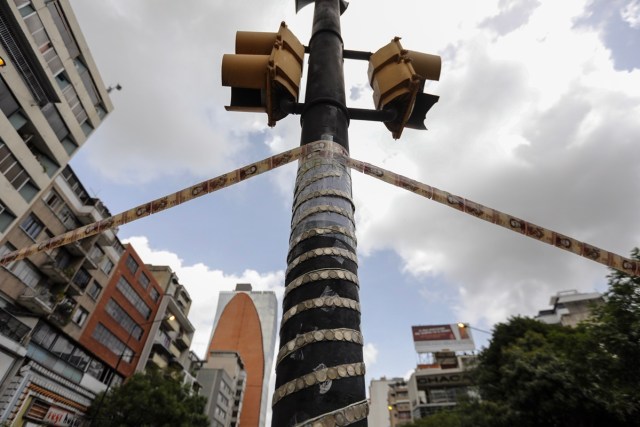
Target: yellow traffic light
(2,63)
(266,70)
(397,77)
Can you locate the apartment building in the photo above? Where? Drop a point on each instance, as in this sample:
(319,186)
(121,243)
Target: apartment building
(379,407)
(570,307)
(51,99)
(223,380)
(48,299)
(399,403)
(170,346)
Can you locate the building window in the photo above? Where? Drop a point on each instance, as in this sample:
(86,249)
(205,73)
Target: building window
(96,253)
(132,265)
(53,200)
(27,273)
(75,185)
(63,258)
(118,247)
(130,294)
(86,127)
(119,315)
(154,294)
(107,266)
(82,278)
(220,413)
(117,347)
(223,400)
(16,174)
(143,280)
(97,369)
(79,316)
(6,217)
(80,358)
(67,217)
(44,335)
(225,388)
(69,145)
(62,348)
(94,290)
(32,226)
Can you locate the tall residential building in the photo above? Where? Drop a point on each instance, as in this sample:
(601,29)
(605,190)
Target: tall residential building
(570,307)
(223,380)
(46,302)
(379,408)
(245,323)
(399,404)
(51,99)
(170,346)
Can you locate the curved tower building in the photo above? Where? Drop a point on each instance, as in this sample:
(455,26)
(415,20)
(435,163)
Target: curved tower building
(245,322)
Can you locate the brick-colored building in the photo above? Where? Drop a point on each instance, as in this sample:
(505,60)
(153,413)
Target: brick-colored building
(118,329)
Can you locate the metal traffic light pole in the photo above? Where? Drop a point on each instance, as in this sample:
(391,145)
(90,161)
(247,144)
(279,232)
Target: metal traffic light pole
(319,368)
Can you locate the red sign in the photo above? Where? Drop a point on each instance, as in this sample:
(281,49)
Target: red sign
(433,333)
(436,338)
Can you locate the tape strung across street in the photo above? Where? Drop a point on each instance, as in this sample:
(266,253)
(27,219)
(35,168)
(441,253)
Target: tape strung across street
(333,150)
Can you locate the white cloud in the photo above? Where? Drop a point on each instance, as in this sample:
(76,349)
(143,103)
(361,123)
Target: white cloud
(204,284)
(631,13)
(370,354)
(533,120)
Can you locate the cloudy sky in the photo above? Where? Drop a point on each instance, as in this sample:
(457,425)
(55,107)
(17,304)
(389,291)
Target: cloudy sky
(538,117)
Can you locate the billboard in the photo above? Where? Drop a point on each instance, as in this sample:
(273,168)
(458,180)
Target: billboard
(437,338)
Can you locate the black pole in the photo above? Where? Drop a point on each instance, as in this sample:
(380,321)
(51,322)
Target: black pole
(96,418)
(319,366)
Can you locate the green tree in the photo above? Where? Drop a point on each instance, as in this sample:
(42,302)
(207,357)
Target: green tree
(155,398)
(534,374)
(615,332)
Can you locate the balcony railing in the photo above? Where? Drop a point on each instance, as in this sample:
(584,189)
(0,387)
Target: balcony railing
(39,300)
(56,273)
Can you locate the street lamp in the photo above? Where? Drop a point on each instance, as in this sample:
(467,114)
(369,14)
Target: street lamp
(124,351)
(466,325)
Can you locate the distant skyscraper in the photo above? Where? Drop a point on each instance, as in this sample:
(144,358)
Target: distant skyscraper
(245,322)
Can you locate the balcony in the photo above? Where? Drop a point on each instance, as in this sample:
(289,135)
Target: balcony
(90,264)
(39,300)
(183,341)
(163,342)
(76,249)
(56,273)
(159,361)
(171,324)
(62,312)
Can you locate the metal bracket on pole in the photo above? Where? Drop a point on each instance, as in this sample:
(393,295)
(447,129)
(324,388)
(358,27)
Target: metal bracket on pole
(353,113)
(302,3)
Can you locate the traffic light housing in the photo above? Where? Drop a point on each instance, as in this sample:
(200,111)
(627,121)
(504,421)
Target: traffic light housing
(265,70)
(397,77)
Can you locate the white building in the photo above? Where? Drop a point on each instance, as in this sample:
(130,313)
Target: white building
(378,402)
(570,307)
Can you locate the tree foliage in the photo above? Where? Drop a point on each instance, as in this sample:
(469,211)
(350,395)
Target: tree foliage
(154,398)
(534,374)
